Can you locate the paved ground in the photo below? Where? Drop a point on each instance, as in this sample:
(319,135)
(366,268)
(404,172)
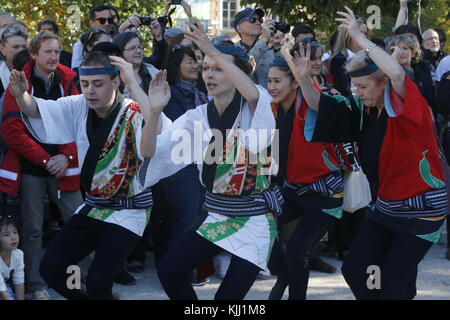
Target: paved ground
(433,282)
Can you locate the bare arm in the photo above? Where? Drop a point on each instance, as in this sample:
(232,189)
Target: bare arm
(402,17)
(159,93)
(301,69)
(18,86)
(240,80)
(19,289)
(391,68)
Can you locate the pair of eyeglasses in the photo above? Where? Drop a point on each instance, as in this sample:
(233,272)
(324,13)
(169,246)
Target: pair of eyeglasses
(111,20)
(135,48)
(253,20)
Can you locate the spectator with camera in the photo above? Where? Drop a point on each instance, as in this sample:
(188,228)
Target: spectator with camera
(260,39)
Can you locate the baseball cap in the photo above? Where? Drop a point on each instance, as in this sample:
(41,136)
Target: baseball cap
(247,13)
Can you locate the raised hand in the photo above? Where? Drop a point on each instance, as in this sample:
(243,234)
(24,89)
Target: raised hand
(396,53)
(159,92)
(126,70)
(131,22)
(198,36)
(288,44)
(348,22)
(302,62)
(156,30)
(18,83)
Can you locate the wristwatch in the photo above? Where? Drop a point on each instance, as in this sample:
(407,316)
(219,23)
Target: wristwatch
(370,47)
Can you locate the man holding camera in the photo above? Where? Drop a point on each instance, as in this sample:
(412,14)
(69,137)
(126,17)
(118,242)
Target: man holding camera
(260,39)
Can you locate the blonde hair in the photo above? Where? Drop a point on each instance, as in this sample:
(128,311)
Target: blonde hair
(409,40)
(36,42)
(344,40)
(358,62)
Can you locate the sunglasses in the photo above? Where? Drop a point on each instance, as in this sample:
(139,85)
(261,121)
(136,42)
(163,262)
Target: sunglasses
(253,20)
(111,20)
(94,32)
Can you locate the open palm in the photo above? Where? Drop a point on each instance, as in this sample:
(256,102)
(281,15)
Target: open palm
(159,92)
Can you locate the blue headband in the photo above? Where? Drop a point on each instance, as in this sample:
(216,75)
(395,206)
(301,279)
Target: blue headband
(369,69)
(96,71)
(233,51)
(279,63)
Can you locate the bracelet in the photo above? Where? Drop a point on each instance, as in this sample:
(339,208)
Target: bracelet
(370,47)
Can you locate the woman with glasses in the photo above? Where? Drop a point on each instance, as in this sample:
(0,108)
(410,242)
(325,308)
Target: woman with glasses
(12,40)
(132,50)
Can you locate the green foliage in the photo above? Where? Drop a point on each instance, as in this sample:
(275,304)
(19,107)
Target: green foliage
(31,12)
(320,14)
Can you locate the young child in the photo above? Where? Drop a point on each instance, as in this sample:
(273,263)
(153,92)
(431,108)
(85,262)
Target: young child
(12,279)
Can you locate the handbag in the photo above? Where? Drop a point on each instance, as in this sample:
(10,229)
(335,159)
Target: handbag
(357,193)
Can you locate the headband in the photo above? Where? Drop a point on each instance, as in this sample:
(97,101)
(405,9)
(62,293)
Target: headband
(96,71)
(233,51)
(279,63)
(369,69)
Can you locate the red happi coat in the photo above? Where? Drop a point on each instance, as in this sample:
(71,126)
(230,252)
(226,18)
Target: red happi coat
(308,162)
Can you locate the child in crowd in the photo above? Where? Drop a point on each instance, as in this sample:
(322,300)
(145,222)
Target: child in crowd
(12,283)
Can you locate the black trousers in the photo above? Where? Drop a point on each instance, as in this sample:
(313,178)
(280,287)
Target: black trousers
(80,236)
(191,250)
(397,255)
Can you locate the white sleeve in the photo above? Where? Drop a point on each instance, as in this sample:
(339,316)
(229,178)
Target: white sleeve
(59,120)
(3,287)
(77,55)
(177,147)
(443,67)
(19,275)
(258,128)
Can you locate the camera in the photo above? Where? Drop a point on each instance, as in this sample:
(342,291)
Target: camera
(146,21)
(175,2)
(283,27)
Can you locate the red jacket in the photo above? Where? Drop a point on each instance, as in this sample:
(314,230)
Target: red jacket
(20,144)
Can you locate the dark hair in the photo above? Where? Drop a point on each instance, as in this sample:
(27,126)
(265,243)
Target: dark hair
(51,22)
(333,39)
(314,46)
(303,28)
(407,28)
(6,221)
(21,58)
(287,71)
(102,7)
(442,35)
(121,40)
(98,59)
(379,42)
(91,36)
(174,60)
(245,66)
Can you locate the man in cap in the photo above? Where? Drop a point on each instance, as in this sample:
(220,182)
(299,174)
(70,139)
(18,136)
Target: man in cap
(255,34)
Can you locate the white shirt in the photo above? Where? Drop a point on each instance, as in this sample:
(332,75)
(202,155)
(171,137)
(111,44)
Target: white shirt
(77,54)
(443,67)
(17,265)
